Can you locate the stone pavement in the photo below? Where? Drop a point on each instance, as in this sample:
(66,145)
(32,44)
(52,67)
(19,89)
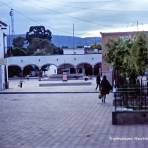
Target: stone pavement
(64,121)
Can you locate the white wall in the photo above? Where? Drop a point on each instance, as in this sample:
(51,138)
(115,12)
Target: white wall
(56,60)
(73,51)
(2,78)
(1,44)
(52,70)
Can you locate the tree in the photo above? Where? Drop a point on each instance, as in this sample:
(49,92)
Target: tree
(118,56)
(58,51)
(17,49)
(140,53)
(40,42)
(128,57)
(18,52)
(39,46)
(18,42)
(43,47)
(33,45)
(38,32)
(97,46)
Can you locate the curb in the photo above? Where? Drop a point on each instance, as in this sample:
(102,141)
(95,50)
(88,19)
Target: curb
(43,92)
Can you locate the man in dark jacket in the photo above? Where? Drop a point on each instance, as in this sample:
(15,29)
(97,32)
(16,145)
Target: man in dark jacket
(98,79)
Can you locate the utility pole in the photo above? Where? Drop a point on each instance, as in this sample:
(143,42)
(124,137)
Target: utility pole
(142,27)
(12,24)
(137,26)
(73,38)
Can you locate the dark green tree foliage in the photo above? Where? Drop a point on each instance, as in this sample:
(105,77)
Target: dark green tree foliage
(97,46)
(18,42)
(34,45)
(18,52)
(58,51)
(43,47)
(17,49)
(140,50)
(40,42)
(129,57)
(38,32)
(118,54)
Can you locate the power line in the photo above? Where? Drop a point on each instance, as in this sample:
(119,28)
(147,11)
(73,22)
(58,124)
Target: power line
(74,17)
(57,12)
(29,18)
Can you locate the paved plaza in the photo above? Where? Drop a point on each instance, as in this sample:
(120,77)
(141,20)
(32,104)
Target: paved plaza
(63,120)
(32,85)
(77,120)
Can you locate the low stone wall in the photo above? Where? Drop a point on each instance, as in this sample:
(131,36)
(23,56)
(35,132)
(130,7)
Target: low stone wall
(64,84)
(129,117)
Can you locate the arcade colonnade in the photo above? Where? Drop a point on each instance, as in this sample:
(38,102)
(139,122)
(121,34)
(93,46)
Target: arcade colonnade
(55,64)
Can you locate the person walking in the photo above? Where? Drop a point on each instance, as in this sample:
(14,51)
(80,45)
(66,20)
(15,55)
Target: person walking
(98,79)
(105,88)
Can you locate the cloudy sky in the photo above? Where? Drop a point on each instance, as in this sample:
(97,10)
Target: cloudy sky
(88,16)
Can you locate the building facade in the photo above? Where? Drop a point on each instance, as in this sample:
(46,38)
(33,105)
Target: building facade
(3,68)
(76,61)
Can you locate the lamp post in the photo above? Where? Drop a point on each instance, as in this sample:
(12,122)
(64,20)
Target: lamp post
(11,13)
(73,39)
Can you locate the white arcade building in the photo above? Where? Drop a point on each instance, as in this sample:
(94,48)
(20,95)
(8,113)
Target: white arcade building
(74,61)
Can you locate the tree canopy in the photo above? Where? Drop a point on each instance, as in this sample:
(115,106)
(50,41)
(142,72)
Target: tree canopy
(17,49)
(18,42)
(18,52)
(129,57)
(38,32)
(37,42)
(97,46)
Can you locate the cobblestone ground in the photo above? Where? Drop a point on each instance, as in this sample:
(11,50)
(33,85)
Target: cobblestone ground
(64,121)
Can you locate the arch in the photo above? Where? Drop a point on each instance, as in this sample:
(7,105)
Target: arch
(48,64)
(97,69)
(85,68)
(66,66)
(49,69)
(14,71)
(31,70)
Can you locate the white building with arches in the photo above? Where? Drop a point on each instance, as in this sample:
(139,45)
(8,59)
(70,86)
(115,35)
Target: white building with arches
(76,61)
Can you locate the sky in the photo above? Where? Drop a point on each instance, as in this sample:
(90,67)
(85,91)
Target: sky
(90,17)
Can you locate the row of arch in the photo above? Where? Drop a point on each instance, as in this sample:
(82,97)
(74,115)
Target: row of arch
(34,70)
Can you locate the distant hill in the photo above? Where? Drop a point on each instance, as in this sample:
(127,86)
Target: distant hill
(60,40)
